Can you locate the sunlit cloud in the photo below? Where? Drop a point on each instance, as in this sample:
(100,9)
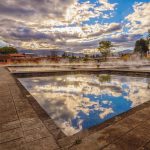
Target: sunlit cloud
(139,20)
(71,24)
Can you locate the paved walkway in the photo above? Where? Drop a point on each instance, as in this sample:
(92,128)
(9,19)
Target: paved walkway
(21,128)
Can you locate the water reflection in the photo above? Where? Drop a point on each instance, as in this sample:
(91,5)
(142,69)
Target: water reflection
(80,101)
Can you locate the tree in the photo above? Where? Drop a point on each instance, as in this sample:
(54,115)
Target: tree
(148,34)
(104,48)
(148,39)
(8,50)
(141,46)
(104,78)
(72,58)
(65,55)
(86,56)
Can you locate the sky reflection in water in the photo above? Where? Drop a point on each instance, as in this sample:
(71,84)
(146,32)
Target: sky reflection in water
(80,101)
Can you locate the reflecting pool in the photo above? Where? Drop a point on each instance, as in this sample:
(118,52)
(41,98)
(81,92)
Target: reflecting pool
(80,101)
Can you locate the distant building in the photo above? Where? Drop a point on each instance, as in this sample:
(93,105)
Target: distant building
(25,58)
(4,59)
(13,58)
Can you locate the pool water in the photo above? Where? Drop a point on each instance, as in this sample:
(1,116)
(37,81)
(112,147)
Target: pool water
(80,101)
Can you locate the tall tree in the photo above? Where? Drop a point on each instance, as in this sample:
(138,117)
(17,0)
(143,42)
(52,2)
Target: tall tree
(104,48)
(141,46)
(8,50)
(148,39)
(65,55)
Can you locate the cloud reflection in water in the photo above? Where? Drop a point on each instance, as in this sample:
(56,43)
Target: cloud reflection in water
(80,101)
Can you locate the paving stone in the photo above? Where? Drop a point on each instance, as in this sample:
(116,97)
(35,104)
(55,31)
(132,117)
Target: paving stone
(43,144)
(135,139)
(27,114)
(104,137)
(146,124)
(24,110)
(17,96)
(9,125)
(31,123)
(92,145)
(10,135)
(5,97)
(129,122)
(118,146)
(111,133)
(20,105)
(7,116)
(4,88)
(67,141)
(147,146)
(14,145)
(7,106)
(50,124)
(36,134)
(57,133)
(142,115)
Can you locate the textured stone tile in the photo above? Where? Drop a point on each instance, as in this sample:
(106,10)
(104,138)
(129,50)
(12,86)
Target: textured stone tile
(147,146)
(11,135)
(118,146)
(20,105)
(115,137)
(24,110)
(129,122)
(31,123)
(54,129)
(13,145)
(104,137)
(5,97)
(9,125)
(146,124)
(36,134)
(43,144)
(135,139)
(50,124)
(142,115)
(27,114)
(111,133)
(7,106)
(88,145)
(8,115)
(68,141)
(57,133)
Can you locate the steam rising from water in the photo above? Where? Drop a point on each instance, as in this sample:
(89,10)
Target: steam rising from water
(47,66)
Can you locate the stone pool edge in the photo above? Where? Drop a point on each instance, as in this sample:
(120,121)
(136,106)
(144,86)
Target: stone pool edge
(56,131)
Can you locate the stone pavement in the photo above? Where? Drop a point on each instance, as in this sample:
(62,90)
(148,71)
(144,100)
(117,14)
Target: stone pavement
(21,126)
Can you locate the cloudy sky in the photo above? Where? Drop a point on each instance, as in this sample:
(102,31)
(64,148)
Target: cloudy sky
(73,25)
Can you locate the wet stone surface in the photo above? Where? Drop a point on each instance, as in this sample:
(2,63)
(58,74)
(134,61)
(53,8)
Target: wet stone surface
(25,127)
